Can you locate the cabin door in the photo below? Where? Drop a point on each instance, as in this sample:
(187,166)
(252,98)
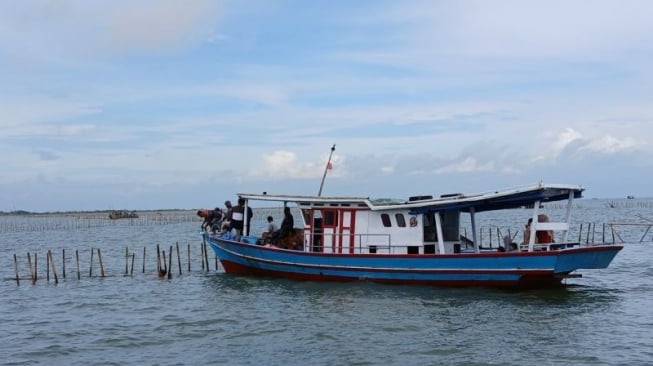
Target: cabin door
(346,232)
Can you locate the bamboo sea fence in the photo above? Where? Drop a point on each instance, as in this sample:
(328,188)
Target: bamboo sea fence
(165,262)
(87,220)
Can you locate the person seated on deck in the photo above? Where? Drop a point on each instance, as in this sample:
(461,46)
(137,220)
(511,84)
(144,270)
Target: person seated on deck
(527,231)
(287,228)
(225,233)
(272,227)
(543,236)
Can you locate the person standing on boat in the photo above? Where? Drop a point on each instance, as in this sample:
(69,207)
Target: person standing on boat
(250,214)
(238,219)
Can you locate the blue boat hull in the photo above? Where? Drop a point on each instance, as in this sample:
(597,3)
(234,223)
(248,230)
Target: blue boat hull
(513,269)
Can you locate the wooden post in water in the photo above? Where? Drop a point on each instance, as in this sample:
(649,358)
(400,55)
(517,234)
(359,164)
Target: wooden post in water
(63,262)
(170,263)
(132,270)
(163,255)
(126,260)
(143,259)
(36,273)
(31,270)
(158,259)
(188,257)
(178,257)
(47,266)
(202,255)
(54,270)
(587,239)
(206,256)
(99,256)
(16,267)
(603,236)
(79,276)
(90,271)
(580,232)
(612,229)
(216,262)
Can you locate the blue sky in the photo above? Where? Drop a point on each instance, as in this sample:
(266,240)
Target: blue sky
(183,104)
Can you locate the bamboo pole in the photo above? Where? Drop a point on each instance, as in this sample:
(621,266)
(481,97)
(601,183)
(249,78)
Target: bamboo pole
(612,229)
(202,255)
(99,256)
(603,237)
(170,263)
(132,270)
(580,232)
(54,270)
(143,259)
(587,239)
(47,265)
(178,257)
(16,267)
(158,259)
(188,257)
(126,261)
(216,262)
(31,271)
(63,261)
(90,271)
(77,259)
(36,273)
(206,257)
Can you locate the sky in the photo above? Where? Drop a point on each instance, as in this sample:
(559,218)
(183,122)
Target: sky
(162,104)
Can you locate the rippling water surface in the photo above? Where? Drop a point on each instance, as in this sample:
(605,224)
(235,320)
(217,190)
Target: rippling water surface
(202,317)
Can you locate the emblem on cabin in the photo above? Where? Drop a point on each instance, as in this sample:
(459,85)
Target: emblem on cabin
(413,221)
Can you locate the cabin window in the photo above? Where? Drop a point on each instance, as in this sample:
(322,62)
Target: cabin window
(450,225)
(372,249)
(329,218)
(429,248)
(385,219)
(413,249)
(401,222)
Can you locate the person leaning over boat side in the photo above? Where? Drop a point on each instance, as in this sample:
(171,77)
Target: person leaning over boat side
(238,219)
(287,227)
(205,215)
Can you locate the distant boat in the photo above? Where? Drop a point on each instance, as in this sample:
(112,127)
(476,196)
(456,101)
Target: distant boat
(114,215)
(631,197)
(418,241)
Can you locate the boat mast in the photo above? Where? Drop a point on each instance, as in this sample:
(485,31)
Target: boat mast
(326,168)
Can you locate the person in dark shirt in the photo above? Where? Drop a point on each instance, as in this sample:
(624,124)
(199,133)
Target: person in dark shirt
(287,227)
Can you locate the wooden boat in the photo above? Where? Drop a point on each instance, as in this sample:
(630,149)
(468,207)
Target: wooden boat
(114,215)
(417,241)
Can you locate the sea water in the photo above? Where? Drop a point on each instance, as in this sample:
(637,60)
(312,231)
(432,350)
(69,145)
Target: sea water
(208,317)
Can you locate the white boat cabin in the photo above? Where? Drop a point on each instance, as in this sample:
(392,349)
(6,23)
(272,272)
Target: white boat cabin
(420,225)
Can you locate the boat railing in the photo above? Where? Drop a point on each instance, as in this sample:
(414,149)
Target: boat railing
(339,242)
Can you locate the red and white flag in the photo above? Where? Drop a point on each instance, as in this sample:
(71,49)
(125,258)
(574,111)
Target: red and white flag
(329,166)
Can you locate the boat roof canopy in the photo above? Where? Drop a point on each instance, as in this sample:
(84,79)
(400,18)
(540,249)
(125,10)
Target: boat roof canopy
(489,201)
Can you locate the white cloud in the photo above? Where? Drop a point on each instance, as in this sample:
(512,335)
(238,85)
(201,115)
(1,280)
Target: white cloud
(610,145)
